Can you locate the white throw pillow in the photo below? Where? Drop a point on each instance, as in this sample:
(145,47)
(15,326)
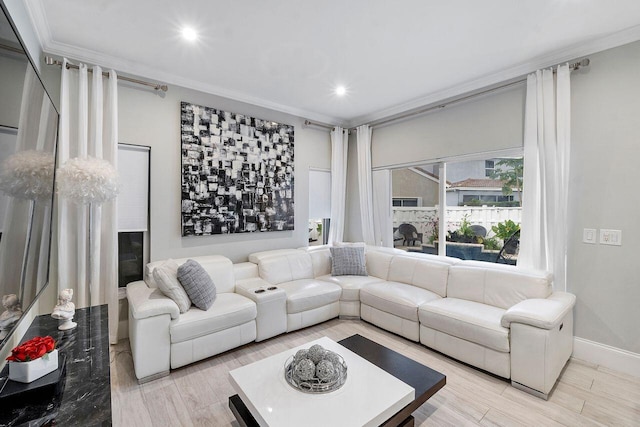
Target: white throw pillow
(166,276)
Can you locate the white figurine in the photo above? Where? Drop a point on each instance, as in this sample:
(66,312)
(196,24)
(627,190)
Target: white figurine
(65,310)
(11,315)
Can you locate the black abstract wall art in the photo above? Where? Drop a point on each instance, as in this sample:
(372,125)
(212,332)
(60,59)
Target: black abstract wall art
(237,173)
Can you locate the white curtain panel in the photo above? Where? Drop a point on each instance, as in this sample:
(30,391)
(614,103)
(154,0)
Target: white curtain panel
(547,138)
(365,184)
(382,211)
(93,131)
(339,148)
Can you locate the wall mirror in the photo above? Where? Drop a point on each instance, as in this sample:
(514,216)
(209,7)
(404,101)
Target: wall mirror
(28,135)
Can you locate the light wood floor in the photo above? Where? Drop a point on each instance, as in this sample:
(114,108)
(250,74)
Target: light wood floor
(197,395)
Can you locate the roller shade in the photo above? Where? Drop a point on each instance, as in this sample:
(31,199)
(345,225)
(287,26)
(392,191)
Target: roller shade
(319,194)
(133,200)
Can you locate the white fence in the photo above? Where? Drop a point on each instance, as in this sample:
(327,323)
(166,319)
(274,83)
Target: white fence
(425,219)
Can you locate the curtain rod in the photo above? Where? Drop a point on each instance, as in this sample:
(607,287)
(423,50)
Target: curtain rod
(320,125)
(573,66)
(156,86)
(11,49)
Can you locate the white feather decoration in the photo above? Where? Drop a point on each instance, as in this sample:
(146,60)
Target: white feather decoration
(88,180)
(28,175)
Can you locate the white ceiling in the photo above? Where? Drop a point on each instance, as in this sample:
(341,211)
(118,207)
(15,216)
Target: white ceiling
(290,54)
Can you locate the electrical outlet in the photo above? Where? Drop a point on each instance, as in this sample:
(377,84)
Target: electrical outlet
(589,235)
(611,237)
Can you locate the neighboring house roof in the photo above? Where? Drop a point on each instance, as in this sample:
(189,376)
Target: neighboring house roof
(475,183)
(427,174)
(478,183)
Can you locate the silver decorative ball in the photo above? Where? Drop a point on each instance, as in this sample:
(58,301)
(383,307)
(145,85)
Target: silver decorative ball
(325,370)
(332,357)
(316,353)
(305,370)
(300,354)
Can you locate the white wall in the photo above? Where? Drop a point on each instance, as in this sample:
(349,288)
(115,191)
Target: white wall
(147,118)
(605,169)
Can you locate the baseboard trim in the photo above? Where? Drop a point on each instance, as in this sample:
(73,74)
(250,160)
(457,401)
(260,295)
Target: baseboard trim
(610,357)
(153,377)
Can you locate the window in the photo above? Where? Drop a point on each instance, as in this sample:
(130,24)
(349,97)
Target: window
(407,202)
(415,199)
(489,168)
(481,213)
(319,206)
(130,257)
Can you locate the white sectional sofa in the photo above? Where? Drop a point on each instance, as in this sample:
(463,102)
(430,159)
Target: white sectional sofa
(502,319)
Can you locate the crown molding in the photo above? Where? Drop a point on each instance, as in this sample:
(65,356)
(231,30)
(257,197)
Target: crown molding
(571,53)
(35,10)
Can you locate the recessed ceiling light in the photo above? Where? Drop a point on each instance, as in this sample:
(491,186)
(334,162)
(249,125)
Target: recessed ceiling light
(189,34)
(341,90)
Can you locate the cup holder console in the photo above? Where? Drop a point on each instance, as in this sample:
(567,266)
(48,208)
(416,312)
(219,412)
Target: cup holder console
(261,290)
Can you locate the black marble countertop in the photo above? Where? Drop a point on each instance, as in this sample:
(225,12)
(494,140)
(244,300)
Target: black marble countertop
(83,396)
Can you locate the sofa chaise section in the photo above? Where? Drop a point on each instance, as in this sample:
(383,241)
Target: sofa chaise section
(504,320)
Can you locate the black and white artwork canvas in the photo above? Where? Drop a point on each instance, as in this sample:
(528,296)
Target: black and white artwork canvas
(237,173)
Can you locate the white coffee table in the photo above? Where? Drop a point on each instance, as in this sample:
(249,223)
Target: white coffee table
(369,396)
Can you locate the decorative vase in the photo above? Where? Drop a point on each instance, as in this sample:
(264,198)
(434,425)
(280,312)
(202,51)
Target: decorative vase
(26,372)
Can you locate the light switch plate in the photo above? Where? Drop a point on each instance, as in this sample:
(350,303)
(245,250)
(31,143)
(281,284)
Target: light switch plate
(611,237)
(589,235)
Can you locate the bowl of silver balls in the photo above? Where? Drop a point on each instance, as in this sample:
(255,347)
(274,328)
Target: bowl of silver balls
(315,370)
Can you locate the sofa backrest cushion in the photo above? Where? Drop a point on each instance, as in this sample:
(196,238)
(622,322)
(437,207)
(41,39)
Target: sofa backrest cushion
(498,285)
(321,260)
(378,263)
(256,257)
(421,255)
(220,270)
(427,273)
(245,270)
(286,267)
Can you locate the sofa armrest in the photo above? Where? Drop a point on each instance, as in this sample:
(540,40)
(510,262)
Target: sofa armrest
(544,313)
(148,302)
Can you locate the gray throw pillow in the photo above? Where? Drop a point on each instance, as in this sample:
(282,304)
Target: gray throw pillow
(348,261)
(198,284)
